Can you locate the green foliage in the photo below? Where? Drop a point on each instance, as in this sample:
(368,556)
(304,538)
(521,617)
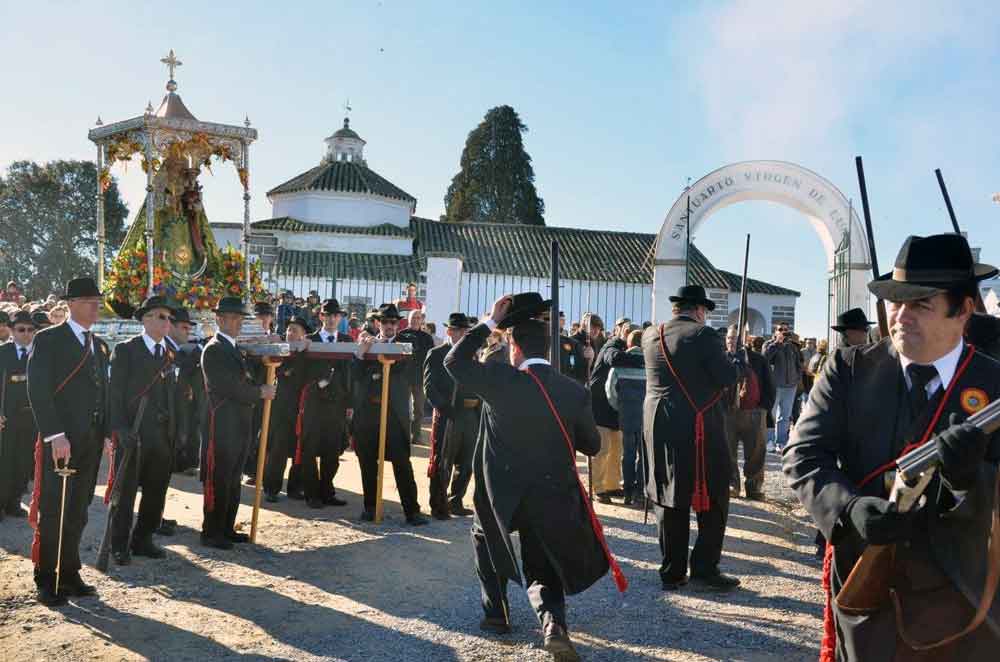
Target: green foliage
(496,183)
(48,224)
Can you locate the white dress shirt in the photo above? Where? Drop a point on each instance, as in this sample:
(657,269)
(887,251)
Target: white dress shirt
(229,338)
(152,344)
(946,367)
(78,331)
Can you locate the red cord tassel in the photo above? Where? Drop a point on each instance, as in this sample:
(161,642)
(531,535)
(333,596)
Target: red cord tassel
(435,418)
(210,463)
(36,497)
(699,497)
(299,423)
(827,649)
(111,468)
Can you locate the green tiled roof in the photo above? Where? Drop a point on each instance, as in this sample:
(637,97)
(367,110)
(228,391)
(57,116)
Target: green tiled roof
(289,224)
(365,266)
(345,176)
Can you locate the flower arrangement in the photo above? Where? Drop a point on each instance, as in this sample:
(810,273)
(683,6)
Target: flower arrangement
(127,283)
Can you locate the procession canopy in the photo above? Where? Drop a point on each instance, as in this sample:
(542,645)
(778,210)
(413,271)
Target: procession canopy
(173,148)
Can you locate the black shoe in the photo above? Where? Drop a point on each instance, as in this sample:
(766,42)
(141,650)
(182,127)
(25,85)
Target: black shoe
(629,500)
(416,519)
(122,557)
(168,527)
(673,584)
(48,597)
(604,497)
(334,500)
(367,516)
(756,496)
(271,497)
(715,581)
(617,493)
(494,624)
(556,641)
(298,495)
(75,586)
(17,511)
(148,548)
(237,538)
(440,513)
(218,542)
(458,510)
(314,502)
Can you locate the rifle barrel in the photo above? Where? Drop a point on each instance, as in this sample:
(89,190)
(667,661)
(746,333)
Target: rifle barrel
(947,200)
(883,321)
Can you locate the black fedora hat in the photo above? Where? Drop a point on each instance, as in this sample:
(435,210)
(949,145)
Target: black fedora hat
(40,319)
(458,321)
(151,303)
(693,294)
(854,318)
(524,306)
(180,315)
(301,321)
(388,312)
(263,308)
(926,266)
(81,287)
(22,317)
(331,307)
(230,305)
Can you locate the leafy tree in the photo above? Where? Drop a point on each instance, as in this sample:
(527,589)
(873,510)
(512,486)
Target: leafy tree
(496,183)
(48,224)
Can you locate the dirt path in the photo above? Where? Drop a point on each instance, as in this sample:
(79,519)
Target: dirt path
(323,586)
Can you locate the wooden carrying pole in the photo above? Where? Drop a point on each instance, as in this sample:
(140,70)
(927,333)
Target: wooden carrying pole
(382,425)
(265,425)
(883,321)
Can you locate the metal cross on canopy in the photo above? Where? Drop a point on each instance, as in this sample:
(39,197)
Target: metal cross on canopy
(347,107)
(172,62)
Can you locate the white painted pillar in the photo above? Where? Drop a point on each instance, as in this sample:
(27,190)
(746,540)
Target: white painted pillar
(444,271)
(668,276)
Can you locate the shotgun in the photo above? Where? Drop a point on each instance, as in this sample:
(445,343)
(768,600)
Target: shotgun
(980,305)
(883,320)
(867,587)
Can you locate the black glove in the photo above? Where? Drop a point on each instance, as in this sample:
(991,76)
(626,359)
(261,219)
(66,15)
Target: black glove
(877,521)
(961,447)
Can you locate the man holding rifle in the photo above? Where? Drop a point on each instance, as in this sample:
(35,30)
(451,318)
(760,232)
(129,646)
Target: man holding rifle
(874,403)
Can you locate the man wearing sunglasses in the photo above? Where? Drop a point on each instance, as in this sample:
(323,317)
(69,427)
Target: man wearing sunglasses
(17,424)
(142,367)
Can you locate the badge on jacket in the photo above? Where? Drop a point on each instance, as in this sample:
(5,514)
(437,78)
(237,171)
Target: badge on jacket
(973,399)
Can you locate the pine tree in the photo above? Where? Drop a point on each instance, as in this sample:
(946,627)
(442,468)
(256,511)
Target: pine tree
(496,183)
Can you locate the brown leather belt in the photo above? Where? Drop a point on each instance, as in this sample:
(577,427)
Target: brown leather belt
(471,403)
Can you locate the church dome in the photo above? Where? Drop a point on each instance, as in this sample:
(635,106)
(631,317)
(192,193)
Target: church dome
(346,131)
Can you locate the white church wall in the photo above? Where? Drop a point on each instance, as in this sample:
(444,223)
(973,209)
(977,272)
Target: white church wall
(334,208)
(228,234)
(344,243)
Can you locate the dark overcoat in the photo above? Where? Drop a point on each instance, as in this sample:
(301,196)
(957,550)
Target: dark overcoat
(231,391)
(134,372)
(857,420)
(367,390)
(523,467)
(701,362)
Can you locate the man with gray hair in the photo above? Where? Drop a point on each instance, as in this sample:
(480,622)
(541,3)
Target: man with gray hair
(422,343)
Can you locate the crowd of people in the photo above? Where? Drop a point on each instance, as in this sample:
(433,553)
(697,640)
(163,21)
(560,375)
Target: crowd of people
(660,411)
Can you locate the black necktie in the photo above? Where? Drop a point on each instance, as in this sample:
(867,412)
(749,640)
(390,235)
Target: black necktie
(86,340)
(24,352)
(158,353)
(920,377)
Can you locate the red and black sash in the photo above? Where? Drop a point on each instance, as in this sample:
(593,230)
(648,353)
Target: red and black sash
(699,497)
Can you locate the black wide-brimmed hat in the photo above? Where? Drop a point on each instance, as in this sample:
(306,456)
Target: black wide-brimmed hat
(693,294)
(180,315)
(931,265)
(301,321)
(524,306)
(23,317)
(458,321)
(331,307)
(151,303)
(40,319)
(81,287)
(854,318)
(263,308)
(388,312)
(230,305)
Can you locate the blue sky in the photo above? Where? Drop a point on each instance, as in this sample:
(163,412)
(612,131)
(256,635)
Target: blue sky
(624,102)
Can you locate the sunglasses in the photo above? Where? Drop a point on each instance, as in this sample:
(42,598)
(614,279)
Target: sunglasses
(24,329)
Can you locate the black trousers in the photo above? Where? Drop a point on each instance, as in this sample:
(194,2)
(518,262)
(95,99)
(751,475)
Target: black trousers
(17,458)
(152,474)
(748,427)
(465,429)
(230,456)
(86,459)
(417,397)
(402,471)
(674,525)
(324,437)
(280,446)
(545,590)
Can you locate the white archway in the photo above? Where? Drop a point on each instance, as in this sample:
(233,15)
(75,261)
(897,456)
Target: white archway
(827,209)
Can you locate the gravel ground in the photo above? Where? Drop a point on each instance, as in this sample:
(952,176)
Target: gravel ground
(323,586)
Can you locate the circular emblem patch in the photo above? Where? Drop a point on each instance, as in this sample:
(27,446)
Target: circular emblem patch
(973,399)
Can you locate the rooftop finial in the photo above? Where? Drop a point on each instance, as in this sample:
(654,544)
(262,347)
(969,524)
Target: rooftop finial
(347,109)
(246,121)
(172,63)
(99,122)
(149,108)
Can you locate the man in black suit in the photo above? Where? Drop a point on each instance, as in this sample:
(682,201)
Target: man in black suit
(687,371)
(422,342)
(16,420)
(455,408)
(526,473)
(232,395)
(264,314)
(747,405)
(324,424)
(143,367)
(190,391)
(367,409)
(870,405)
(68,391)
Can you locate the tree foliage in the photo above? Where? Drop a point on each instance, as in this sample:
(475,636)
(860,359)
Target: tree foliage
(48,224)
(496,183)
